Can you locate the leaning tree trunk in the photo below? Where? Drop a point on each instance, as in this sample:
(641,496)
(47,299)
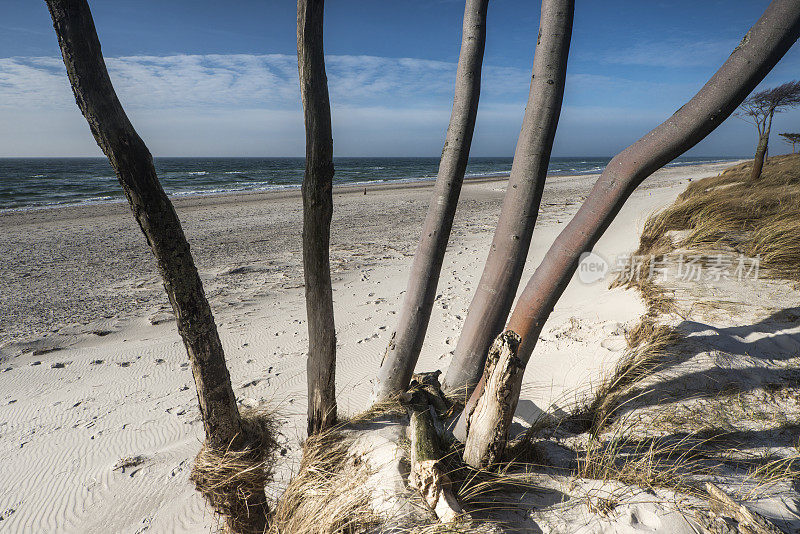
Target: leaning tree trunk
(244,504)
(317,212)
(766,42)
(133,164)
(761,149)
(403,351)
(509,250)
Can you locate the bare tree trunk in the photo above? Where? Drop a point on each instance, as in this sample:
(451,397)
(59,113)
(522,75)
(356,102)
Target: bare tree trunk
(758,159)
(766,42)
(403,351)
(317,212)
(509,250)
(133,164)
(488,420)
(761,150)
(244,504)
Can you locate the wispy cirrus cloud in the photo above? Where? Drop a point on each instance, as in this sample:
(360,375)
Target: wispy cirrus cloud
(250,104)
(244,104)
(248,81)
(673,53)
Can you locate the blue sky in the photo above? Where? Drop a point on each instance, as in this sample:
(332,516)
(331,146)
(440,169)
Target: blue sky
(220,79)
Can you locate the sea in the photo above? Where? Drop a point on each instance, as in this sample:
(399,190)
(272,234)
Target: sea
(37,183)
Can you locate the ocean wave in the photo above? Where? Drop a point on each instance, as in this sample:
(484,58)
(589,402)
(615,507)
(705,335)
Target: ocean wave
(79,182)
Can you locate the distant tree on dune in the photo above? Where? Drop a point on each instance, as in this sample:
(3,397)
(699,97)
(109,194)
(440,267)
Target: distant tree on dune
(791,139)
(317,213)
(759,109)
(412,324)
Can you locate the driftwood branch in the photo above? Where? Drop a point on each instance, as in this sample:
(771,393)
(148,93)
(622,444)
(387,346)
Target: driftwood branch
(427,449)
(748,521)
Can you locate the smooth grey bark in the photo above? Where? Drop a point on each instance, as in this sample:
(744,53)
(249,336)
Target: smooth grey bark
(512,237)
(766,42)
(404,348)
(133,164)
(317,212)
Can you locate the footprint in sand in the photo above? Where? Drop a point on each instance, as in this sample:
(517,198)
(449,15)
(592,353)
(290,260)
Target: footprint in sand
(614,344)
(5,514)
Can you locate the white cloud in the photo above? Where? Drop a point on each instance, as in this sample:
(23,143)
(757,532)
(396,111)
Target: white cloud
(247,81)
(249,104)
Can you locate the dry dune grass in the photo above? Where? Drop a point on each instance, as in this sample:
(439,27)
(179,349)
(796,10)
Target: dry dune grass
(233,481)
(330,494)
(730,212)
(693,443)
(327,494)
(651,348)
(727,212)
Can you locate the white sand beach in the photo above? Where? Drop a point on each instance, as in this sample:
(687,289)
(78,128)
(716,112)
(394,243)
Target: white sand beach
(93,372)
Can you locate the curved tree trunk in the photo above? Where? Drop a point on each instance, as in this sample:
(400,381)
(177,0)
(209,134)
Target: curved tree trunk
(317,212)
(766,42)
(403,351)
(133,164)
(509,250)
(761,150)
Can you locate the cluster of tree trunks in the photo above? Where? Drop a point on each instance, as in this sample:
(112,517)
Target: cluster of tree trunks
(766,42)
(496,363)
